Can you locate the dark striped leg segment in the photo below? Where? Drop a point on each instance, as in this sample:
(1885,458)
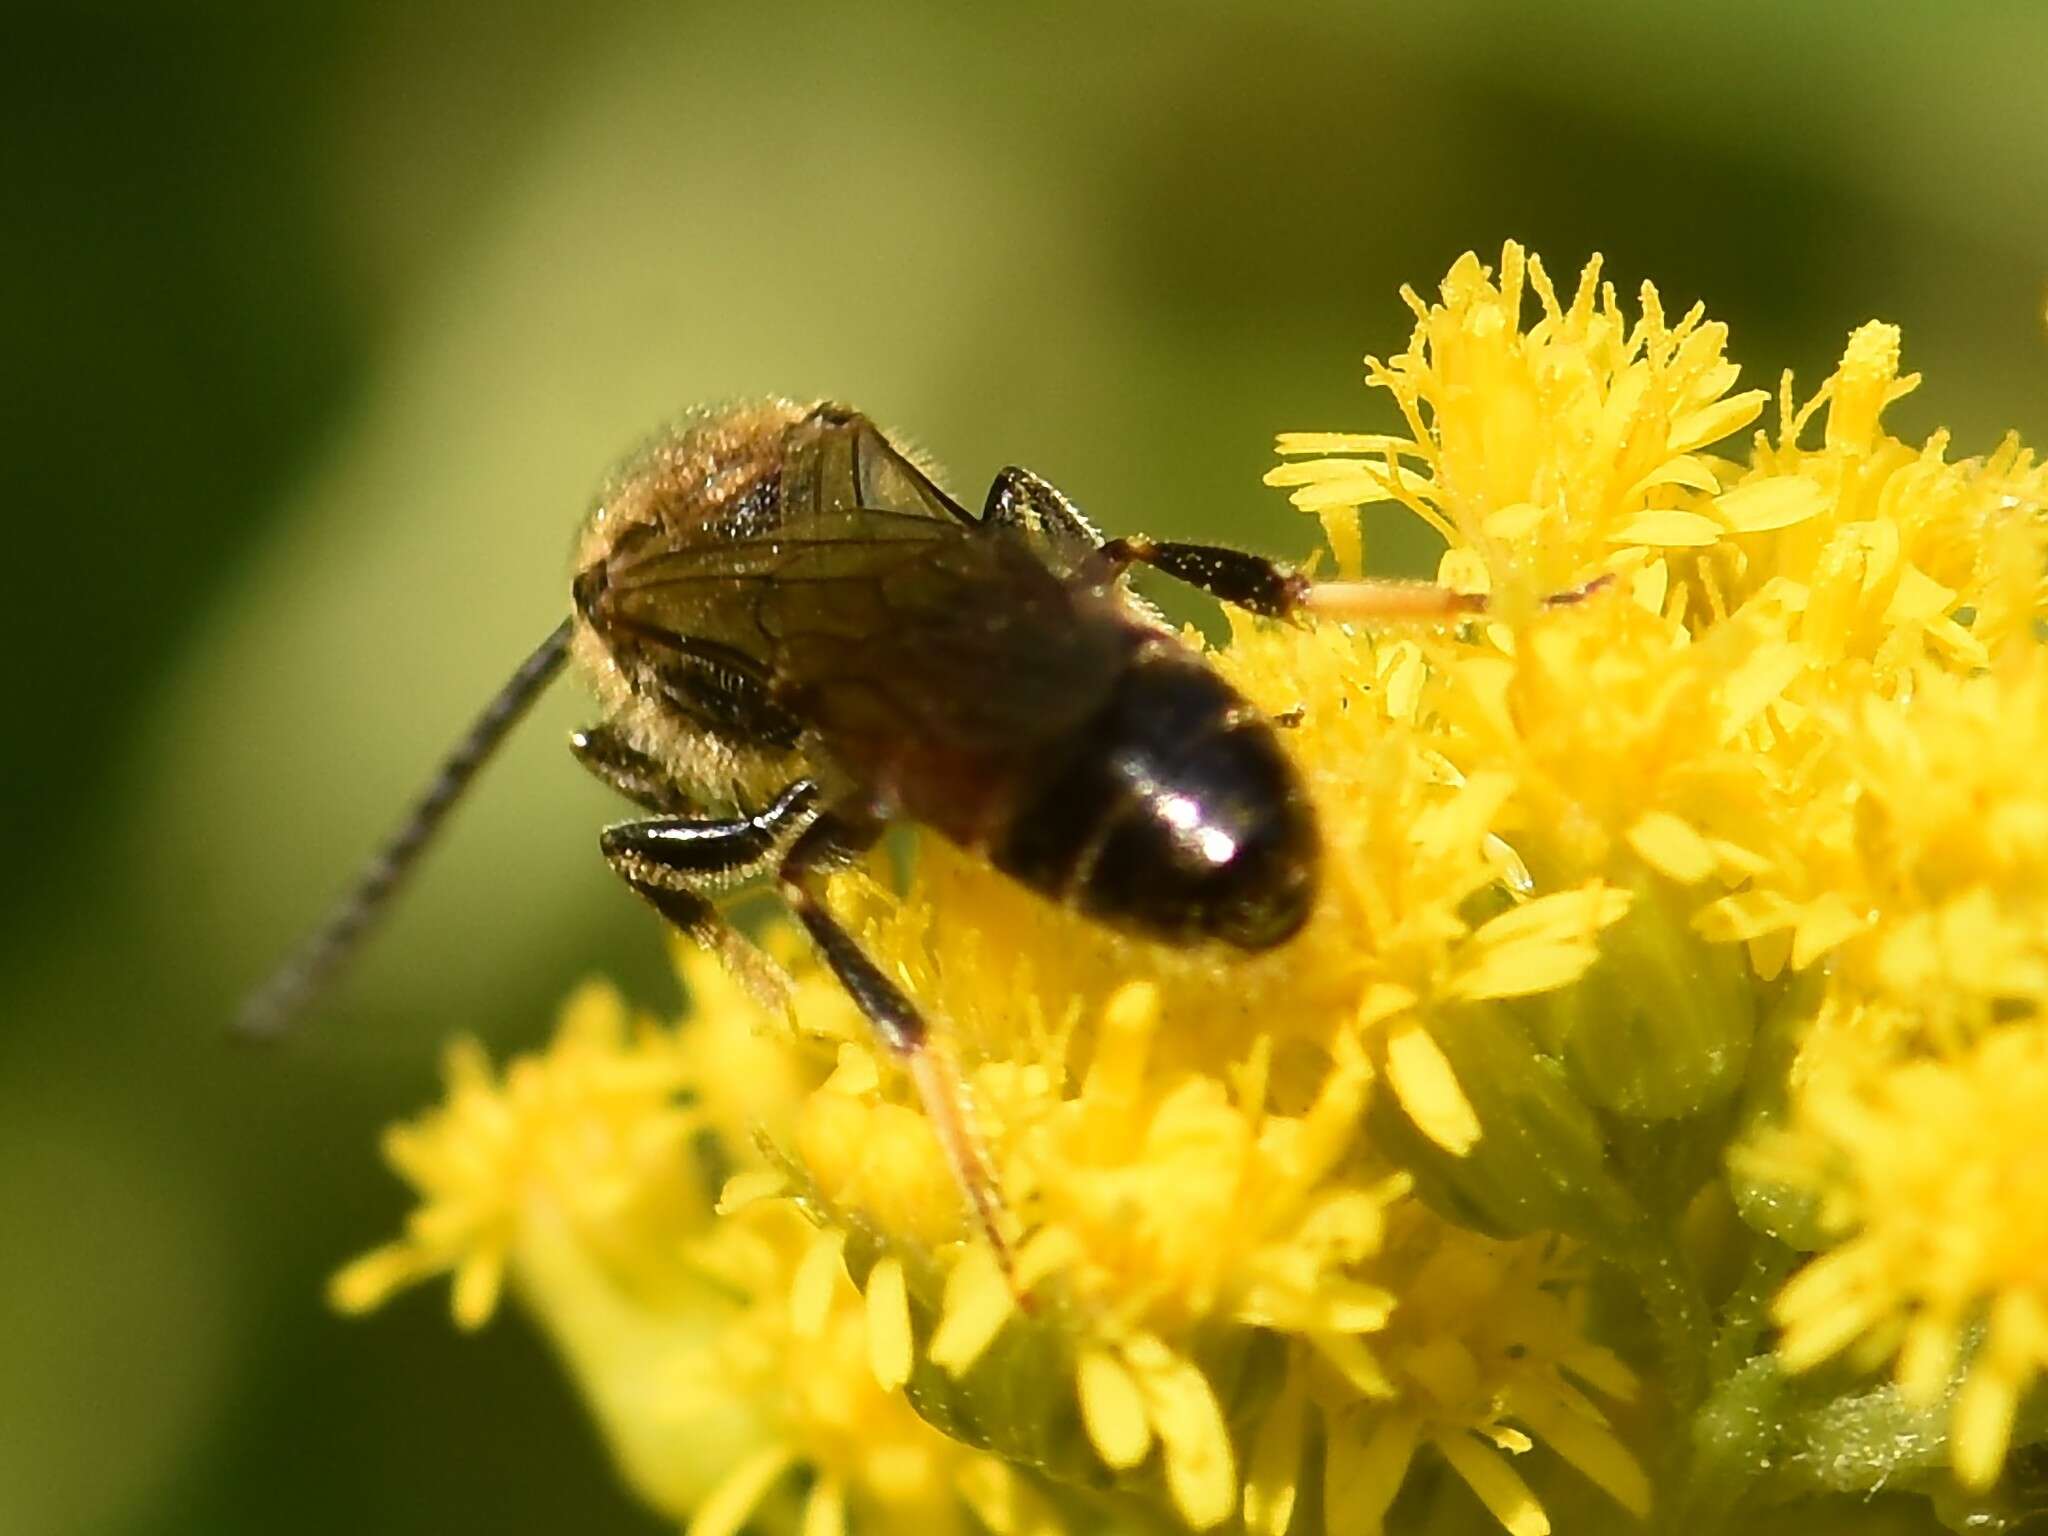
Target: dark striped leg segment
(1279,591)
(675,864)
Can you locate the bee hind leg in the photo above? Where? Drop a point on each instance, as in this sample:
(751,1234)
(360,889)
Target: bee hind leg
(1277,590)
(834,838)
(1043,513)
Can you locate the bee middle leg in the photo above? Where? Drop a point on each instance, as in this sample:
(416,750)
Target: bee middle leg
(1044,513)
(1278,590)
(1022,500)
(676,864)
(835,838)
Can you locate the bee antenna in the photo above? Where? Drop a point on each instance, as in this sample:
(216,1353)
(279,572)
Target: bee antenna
(271,1009)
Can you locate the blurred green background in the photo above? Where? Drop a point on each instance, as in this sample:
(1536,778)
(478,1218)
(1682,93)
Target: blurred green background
(322,323)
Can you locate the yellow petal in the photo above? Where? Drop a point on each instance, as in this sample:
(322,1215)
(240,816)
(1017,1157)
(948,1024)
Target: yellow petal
(1113,1410)
(1918,598)
(1403,674)
(888,1308)
(1713,422)
(1671,847)
(728,1506)
(1668,528)
(978,1302)
(1464,570)
(1959,642)
(1926,1359)
(1117,1073)
(1862,384)
(1735,861)
(1648,587)
(1001,1501)
(1982,1426)
(466,1065)
(1823,923)
(593,1014)
(825,1509)
(1757,682)
(1777,501)
(1540,945)
(1314,471)
(1347,546)
(1500,1488)
(1366,485)
(1355,1362)
(1603,1369)
(1527,969)
(1331,1123)
(1273,1481)
(1362,1476)
(811,1287)
(1046,1252)
(367,1282)
(1813,1333)
(1686,471)
(1445,1369)
(1578,913)
(1587,1444)
(1514,522)
(1340,442)
(1201,1472)
(1744,915)
(1423,1080)
(856,1073)
(750,1185)
(479,1280)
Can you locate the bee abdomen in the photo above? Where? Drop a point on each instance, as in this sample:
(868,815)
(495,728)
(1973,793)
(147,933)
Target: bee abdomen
(1178,816)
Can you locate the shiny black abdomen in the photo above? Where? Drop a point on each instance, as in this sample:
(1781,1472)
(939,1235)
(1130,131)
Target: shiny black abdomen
(1177,816)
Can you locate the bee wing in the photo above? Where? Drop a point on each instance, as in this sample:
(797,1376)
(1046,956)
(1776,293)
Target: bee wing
(842,484)
(973,645)
(879,611)
(850,465)
(874,624)
(825,546)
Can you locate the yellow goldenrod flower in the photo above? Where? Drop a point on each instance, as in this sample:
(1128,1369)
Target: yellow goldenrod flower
(593,1130)
(1670,1023)
(1932,1173)
(727,1363)
(1484,1349)
(1539,454)
(1918,1099)
(1124,1145)
(803,1346)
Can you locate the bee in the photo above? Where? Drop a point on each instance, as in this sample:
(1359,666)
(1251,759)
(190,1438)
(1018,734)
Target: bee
(796,638)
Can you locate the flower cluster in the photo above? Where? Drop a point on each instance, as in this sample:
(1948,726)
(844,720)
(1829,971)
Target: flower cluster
(1642,1121)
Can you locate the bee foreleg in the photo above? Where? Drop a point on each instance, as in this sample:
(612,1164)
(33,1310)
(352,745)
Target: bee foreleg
(675,863)
(628,770)
(828,841)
